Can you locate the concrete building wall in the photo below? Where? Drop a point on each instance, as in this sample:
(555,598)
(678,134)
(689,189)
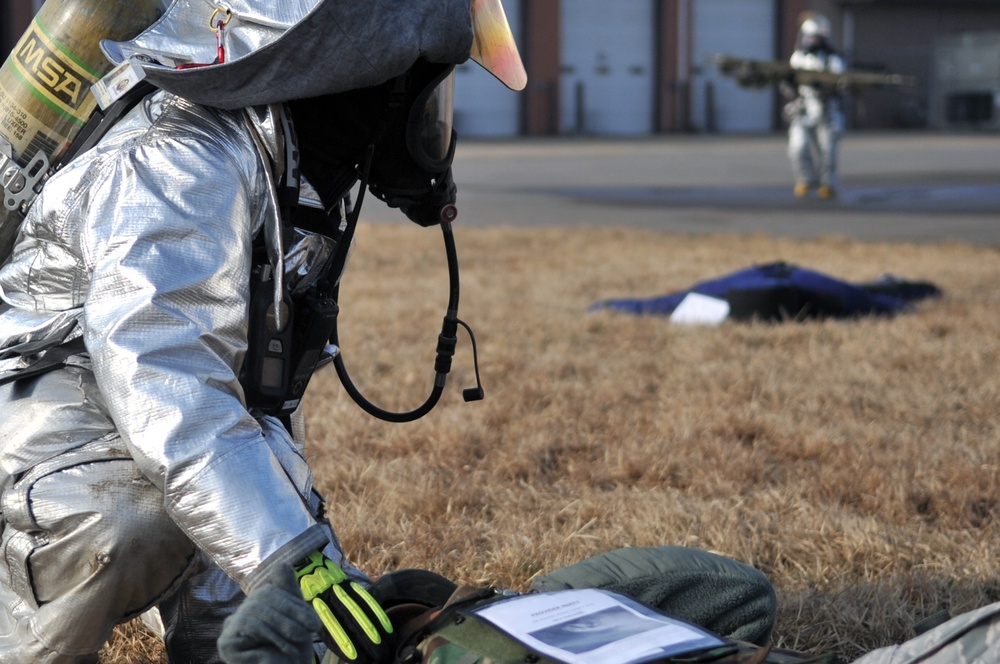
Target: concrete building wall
(540,47)
(901,40)
(964,87)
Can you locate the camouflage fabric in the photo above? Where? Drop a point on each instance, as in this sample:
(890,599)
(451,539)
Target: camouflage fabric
(970,638)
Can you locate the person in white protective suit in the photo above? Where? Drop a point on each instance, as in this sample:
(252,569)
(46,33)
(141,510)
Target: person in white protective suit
(814,114)
(133,472)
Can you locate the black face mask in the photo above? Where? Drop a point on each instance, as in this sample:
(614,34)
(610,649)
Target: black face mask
(815,44)
(407,120)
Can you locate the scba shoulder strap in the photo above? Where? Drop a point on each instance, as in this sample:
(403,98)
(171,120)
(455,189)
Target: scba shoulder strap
(288,331)
(53,358)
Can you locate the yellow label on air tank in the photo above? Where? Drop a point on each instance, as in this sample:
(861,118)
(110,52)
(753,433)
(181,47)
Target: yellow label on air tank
(53,74)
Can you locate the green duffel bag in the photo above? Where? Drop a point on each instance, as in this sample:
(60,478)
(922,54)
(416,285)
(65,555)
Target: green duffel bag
(575,626)
(658,604)
(715,592)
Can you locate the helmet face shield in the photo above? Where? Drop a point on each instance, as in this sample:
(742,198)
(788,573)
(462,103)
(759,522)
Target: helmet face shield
(430,133)
(493,44)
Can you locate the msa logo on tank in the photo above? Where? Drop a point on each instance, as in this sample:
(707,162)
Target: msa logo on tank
(55,76)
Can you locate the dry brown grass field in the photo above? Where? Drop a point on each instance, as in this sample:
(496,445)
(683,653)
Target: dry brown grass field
(855,463)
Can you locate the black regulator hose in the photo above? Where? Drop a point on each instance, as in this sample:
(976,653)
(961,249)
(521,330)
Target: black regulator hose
(447,340)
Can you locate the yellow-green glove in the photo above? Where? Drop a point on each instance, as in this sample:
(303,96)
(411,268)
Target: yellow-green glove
(354,625)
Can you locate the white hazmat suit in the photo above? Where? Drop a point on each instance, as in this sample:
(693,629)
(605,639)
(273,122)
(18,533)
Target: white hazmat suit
(815,116)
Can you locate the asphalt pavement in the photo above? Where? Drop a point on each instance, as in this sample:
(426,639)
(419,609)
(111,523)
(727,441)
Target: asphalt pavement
(906,187)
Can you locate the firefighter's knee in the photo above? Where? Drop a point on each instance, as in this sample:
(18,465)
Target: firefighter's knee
(89,545)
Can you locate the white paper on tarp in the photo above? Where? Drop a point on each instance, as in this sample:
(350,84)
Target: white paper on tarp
(698,309)
(592,626)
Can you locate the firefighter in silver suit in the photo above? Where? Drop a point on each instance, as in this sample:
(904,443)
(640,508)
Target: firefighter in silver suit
(133,476)
(815,116)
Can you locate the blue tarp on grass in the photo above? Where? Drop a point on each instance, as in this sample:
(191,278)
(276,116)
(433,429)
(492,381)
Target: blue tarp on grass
(782,291)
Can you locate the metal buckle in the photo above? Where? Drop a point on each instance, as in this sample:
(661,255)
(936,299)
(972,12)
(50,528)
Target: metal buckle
(19,184)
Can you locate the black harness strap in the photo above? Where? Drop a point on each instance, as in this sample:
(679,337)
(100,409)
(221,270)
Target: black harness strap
(53,358)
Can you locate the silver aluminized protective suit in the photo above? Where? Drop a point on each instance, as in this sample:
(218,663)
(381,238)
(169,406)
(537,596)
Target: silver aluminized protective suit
(139,465)
(135,476)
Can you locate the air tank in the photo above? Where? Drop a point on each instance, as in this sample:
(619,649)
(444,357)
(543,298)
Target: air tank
(45,83)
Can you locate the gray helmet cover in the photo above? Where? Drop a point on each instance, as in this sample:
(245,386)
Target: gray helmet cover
(293,49)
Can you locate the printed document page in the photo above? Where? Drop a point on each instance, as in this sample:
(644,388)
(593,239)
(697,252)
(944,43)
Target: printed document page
(591,626)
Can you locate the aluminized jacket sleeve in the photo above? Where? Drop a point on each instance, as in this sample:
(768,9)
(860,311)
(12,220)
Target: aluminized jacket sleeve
(149,235)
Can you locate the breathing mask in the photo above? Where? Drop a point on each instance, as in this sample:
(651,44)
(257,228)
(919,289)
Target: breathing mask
(407,122)
(397,138)
(411,164)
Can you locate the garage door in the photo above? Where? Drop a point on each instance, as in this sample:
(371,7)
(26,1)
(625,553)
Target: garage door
(484,107)
(607,60)
(744,29)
